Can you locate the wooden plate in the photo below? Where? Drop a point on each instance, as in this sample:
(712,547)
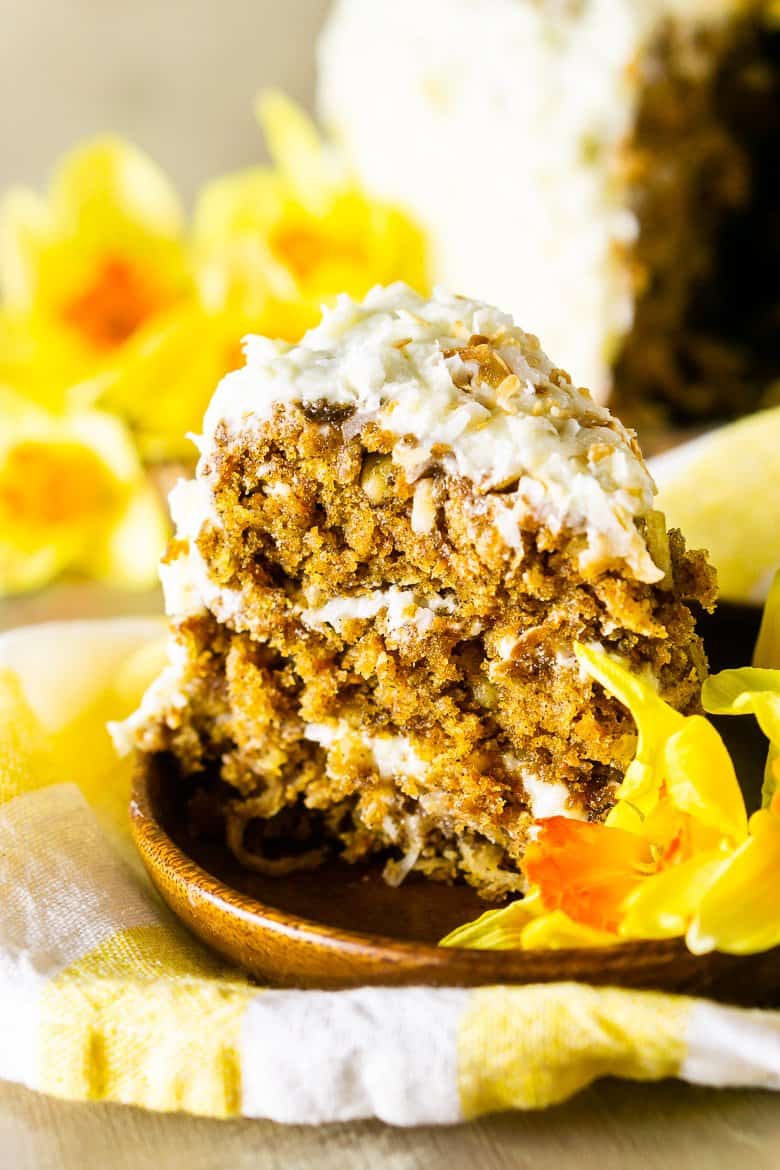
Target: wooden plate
(341,926)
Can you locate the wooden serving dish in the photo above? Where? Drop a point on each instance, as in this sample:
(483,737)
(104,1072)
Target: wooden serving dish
(341,926)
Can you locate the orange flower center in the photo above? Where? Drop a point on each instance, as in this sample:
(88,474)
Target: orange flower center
(53,484)
(116,302)
(586,870)
(589,870)
(302,249)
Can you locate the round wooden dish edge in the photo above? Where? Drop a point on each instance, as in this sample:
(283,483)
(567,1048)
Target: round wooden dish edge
(284,949)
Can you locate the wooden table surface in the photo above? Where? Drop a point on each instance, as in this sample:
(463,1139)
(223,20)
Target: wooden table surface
(612,1126)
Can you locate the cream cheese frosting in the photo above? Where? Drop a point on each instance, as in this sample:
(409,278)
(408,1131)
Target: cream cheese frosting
(392,755)
(546,798)
(187,586)
(403,608)
(461,385)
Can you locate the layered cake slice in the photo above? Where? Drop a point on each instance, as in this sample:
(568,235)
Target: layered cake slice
(397,531)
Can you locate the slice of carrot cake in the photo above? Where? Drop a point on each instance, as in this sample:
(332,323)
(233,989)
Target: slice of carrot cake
(397,530)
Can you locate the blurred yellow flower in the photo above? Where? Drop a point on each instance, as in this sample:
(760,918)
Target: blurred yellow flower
(106,298)
(85,269)
(277,242)
(73,496)
(110,306)
(269,246)
(676,855)
(168,374)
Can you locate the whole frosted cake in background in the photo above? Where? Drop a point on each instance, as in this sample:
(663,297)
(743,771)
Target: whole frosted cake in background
(607,162)
(397,531)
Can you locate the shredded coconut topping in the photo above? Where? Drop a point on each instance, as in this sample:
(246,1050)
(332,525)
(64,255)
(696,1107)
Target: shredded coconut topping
(461,386)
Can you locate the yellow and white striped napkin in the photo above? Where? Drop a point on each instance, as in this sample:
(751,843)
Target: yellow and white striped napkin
(104,996)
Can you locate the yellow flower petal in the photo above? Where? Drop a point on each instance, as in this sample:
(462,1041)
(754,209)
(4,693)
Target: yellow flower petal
(525,924)
(655,721)
(771,785)
(750,690)
(167,376)
(767,648)
(556,931)
(44,363)
(109,182)
(85,268)
(297,150)
(664,904)
(740,914)
(70,487)
(25,227)
(700,778)
(496,930)
(128,553)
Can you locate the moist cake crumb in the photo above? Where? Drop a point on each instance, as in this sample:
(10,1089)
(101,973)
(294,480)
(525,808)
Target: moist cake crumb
(379,573)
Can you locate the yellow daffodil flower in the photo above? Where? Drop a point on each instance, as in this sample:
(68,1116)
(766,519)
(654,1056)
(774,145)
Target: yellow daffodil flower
(677,855)
(85,269)
(269,246)
(107,300)
(739,911)
(280,241)
(73,496)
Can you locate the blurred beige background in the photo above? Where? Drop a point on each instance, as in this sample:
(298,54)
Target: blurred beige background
(176,76)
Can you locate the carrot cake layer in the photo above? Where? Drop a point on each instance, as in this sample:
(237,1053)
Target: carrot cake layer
(397,531)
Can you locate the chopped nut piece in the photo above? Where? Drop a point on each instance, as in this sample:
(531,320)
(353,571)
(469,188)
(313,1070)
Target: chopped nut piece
(376,478)
(423,508)
(658,545)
